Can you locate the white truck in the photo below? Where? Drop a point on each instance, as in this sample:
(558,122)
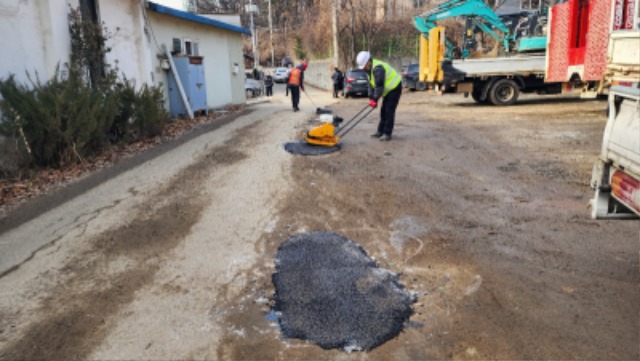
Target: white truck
(616,174)
(577,34)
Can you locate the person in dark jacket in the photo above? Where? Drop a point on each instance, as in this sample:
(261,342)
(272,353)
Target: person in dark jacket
(268,84)
(295,83)
(338,81)
(384,82)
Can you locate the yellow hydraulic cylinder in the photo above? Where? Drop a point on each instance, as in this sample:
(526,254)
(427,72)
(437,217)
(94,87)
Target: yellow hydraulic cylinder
(435,55)
(423,67)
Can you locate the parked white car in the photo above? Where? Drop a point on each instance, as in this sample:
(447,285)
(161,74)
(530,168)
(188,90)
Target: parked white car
(252,87)
(281,75)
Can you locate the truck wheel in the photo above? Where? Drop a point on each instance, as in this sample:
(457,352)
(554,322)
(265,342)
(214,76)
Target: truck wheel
(504,92)
(421,86)
(476,96)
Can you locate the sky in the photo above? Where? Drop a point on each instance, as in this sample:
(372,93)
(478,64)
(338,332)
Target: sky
(176,4)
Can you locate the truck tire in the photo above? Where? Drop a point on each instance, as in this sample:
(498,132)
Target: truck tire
(476,96)
(504,92)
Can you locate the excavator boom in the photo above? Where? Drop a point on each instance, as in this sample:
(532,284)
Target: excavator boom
(479,14)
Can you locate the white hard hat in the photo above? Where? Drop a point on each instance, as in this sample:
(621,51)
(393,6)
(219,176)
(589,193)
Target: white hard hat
(362,59)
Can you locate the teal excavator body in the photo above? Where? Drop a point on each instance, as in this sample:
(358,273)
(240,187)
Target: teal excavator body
(478,15)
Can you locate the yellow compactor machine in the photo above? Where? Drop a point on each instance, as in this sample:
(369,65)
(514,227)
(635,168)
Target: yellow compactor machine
(329,134)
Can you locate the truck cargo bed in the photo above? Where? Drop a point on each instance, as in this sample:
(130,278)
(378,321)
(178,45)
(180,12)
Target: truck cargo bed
(616,175)
(521,65)
(621,144)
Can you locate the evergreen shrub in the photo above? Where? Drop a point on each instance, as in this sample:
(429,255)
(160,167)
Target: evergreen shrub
(63,121)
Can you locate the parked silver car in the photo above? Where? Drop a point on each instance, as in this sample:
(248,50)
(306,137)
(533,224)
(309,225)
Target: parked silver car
(281,75)
(252,87)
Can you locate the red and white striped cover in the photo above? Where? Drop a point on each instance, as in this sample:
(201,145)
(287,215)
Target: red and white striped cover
(597,38)
(557,52)
(595,60)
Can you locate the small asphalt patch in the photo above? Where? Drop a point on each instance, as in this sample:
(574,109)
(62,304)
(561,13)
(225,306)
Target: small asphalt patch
(330,292)
(304,148)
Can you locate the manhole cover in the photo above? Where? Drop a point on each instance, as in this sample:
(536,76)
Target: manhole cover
(304,148)
(330,292)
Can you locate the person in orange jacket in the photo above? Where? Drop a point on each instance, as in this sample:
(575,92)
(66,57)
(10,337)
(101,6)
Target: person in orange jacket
(295,83)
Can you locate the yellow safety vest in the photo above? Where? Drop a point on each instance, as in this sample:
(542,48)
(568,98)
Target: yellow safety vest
(391,80)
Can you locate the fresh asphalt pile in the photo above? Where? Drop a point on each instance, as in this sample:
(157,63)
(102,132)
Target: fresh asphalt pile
(330,292)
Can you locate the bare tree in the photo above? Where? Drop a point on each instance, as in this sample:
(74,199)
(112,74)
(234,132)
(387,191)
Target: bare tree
(218,6)
(308,23)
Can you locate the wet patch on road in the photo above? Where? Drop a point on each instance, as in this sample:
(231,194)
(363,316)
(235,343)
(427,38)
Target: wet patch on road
(96,285)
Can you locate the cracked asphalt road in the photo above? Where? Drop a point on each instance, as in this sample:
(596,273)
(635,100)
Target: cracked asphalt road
(482,211)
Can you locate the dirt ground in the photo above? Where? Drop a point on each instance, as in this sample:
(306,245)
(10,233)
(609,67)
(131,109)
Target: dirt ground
(482,210)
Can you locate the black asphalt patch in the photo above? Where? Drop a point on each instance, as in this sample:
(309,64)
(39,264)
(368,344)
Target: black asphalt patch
(304,148)
(330,292)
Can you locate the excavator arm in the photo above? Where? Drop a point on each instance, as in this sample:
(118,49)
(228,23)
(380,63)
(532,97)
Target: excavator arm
(425,26)
(476,10)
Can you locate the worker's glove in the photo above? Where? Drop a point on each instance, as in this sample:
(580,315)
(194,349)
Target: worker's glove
(373,103)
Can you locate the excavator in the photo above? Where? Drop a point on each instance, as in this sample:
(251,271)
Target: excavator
(523,33)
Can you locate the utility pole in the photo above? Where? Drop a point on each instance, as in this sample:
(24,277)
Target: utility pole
(271,36)
(352,25)
(334,17)
(253,34)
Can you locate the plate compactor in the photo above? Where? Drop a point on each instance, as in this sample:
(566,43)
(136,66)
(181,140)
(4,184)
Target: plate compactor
(329,134)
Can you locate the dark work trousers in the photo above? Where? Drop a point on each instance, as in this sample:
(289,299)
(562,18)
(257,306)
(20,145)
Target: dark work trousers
(388,110)
(336,89)
(269,91)
(295,95)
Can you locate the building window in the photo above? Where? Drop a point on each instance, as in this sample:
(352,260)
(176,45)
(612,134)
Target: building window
(530,5)
(177,46)
(191,47)
(89,10)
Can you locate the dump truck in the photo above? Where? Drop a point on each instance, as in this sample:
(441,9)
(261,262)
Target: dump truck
(574,59)
(616,174)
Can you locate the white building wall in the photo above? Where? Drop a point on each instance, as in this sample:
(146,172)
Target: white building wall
(221,49)
(34,38)
(229,19)
(130,47)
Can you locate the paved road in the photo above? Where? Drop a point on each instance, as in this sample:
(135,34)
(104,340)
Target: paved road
(185,213)
(481,210)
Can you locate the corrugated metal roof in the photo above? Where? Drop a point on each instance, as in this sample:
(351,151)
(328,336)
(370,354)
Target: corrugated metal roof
(196,18)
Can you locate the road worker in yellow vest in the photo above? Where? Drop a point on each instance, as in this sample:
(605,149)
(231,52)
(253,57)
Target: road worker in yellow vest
(386,83)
